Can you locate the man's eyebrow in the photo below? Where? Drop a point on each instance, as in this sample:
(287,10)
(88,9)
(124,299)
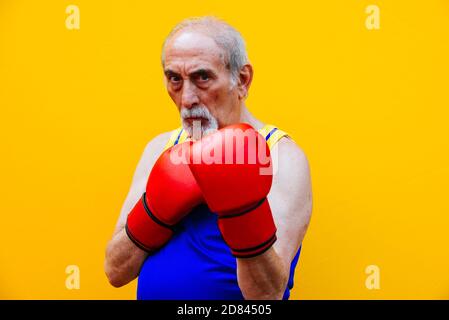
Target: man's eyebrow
(169,72)
(202,71)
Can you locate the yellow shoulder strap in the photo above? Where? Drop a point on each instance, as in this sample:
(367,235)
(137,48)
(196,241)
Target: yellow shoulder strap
(178,136)
(272,134)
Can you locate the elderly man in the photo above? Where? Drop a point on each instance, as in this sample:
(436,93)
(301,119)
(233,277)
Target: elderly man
(208,76)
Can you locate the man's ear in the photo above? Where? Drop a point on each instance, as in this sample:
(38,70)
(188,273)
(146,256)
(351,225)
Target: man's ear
(244,81)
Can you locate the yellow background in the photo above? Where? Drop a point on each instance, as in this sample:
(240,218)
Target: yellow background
(370,109)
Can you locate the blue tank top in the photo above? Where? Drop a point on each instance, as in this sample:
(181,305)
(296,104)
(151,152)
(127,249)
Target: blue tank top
(196,264)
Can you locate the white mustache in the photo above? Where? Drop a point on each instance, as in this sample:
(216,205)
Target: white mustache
(199,111)
(196,112)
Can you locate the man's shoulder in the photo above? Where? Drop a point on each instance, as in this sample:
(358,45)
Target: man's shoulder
(291,163)
(289,152)
(159,141)
(155,147)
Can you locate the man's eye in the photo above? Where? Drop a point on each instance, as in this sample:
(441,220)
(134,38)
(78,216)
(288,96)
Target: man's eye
(202,77)
(175,79)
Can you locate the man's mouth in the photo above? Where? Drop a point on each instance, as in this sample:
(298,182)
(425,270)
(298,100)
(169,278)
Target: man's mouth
(191,120)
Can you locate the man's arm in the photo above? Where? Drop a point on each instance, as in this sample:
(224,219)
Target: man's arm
(290,198)
(123,258)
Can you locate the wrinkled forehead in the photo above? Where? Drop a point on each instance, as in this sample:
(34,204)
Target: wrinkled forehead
(188,48)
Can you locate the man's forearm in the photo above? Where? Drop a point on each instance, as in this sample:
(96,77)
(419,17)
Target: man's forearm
(123,260)
(262,277)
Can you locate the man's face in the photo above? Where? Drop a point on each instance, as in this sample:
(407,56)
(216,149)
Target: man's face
(199,83)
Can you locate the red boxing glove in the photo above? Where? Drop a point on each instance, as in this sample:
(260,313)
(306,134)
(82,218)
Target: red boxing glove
(171,193)
(233,170)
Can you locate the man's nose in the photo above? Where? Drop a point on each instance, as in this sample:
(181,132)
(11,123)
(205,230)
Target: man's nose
(189,97)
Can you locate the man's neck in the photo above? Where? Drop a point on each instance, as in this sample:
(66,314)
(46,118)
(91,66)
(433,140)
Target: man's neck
(247,117)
